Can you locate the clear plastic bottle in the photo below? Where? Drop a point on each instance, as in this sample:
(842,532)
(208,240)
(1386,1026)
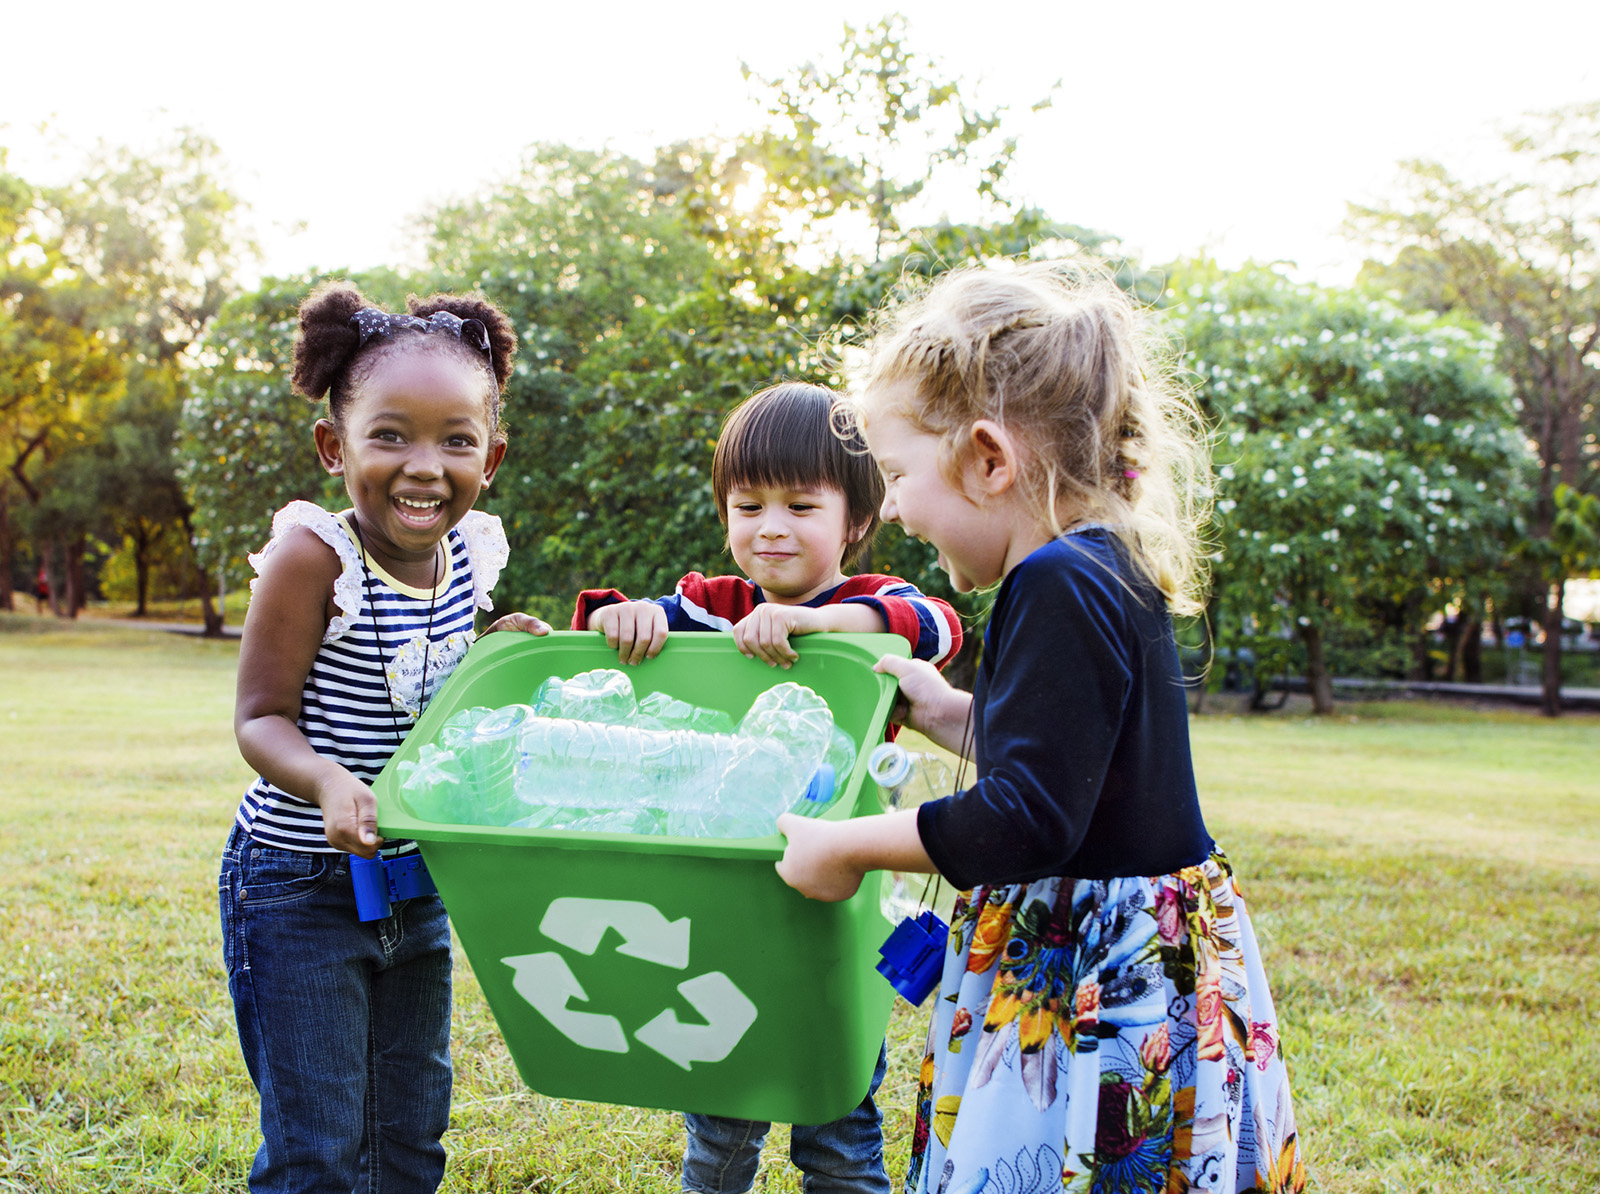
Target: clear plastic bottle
(906,779)
(573,771)
(604,695)
(489,757)
(433,785)
(841,757)
(658,711)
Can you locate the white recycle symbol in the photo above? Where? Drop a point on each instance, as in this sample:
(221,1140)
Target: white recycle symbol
(548,984)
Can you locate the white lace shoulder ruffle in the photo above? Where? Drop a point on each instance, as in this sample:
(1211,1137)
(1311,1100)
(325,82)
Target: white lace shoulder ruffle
(487,551)
(347,588)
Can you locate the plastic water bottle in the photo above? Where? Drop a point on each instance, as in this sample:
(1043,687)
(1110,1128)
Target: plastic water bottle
(581,769)
(604,695)
(489,757)
(841,757)
(433,785)
(454,733)
(658,711)
(905,780)
(793,715)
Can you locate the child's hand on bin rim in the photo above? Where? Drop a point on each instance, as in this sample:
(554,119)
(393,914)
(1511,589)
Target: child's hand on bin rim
(816,862)
(636,629)
(764,632)
(524,622)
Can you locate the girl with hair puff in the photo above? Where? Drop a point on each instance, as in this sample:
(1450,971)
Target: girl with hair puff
(355,620)
(1103,1021)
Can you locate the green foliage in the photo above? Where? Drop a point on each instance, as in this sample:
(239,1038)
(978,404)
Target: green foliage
(1521,253)
(1366,457)
(636,337)
(156,237)
(868,129)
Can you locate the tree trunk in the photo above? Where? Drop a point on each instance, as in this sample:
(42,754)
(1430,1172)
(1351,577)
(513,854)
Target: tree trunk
(208,606)
(76,597)
(1472,652)
(1421,663)
(1317,678)
(51,553)
(1550,681)
(141,567)
(1465,656)
(7,601)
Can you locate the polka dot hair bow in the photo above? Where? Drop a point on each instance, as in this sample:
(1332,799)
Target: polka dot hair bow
(370,322)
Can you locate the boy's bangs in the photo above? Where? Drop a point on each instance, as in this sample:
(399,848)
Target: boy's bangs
(784,438)
(786,453)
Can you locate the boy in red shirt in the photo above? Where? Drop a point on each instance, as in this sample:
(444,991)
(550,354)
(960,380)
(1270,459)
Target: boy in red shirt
(801,508)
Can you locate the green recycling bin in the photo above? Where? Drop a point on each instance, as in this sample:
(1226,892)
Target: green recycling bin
(667,972)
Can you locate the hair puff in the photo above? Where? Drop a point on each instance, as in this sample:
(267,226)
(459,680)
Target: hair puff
(502,336)
(327,342)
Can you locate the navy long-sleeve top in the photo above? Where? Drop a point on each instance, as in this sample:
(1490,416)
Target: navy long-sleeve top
(1080,730)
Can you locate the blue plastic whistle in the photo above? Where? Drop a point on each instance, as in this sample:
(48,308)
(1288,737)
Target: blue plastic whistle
(380,882)
(913,956)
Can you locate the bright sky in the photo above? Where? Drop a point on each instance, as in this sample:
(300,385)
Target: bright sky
(1243,128)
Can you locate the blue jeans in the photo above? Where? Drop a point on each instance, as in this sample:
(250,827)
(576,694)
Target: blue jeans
(844,1157)
(344,1026)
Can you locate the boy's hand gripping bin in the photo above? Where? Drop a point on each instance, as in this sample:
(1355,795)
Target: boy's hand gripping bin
(666,971)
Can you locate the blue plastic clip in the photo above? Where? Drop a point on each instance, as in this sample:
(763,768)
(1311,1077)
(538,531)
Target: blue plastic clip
(913,956)
(380,882)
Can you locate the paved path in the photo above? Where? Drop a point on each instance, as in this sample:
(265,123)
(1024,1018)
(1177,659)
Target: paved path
(1523,694)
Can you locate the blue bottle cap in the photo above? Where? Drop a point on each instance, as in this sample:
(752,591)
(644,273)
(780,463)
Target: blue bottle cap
(820,789)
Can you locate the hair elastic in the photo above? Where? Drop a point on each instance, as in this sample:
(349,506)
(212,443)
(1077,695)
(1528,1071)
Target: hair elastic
(369,322)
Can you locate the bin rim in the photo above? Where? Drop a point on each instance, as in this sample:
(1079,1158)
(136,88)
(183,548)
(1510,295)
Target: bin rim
(396,821)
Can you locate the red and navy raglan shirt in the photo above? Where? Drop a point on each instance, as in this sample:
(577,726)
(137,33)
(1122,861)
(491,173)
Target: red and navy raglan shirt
(929,624)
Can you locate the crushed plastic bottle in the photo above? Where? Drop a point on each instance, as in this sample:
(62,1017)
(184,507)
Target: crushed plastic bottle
(793,715)
(489,756)
(841,757)
(435,785)
(604,695)
(658,711)
(455,732)
(906,779)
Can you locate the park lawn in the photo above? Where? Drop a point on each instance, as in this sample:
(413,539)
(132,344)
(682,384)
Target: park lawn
(1424,880)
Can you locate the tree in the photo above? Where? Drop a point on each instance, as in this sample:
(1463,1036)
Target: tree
(58,373)
(1365,457)
(869,129)
(1522,254)
(151,245)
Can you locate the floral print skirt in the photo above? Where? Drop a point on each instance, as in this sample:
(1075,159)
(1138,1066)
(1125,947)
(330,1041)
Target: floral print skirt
(1106,1037)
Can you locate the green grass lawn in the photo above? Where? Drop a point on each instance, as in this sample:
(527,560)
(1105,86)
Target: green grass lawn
(1425,880)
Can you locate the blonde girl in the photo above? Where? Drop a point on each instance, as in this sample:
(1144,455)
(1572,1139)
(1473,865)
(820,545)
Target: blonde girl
(1103,1022)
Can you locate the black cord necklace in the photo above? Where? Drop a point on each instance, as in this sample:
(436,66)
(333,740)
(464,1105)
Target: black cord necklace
(377,638)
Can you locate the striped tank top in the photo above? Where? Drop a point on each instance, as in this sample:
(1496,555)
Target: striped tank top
(364,690)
